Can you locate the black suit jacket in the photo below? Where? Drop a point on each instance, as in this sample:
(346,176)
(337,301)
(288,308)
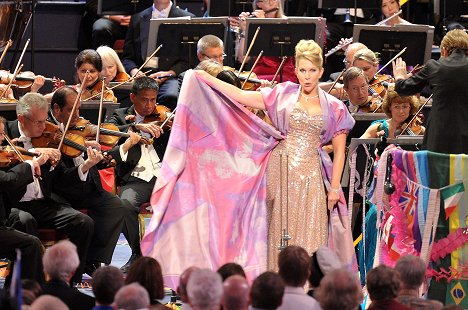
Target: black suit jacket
(124,168)
(136,43)
(50,179)
(11,180)
(73,298)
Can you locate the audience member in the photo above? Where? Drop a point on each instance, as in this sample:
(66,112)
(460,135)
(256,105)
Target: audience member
(339,290)
(267,291)
(294,269)
(132,297)
(382,286)
(323,261)
(107,281)
(30,290)
(48,302)
(147,272)
(411,271)
(235,293)
(182,288)
(60,263)
(230,269)
(205,289)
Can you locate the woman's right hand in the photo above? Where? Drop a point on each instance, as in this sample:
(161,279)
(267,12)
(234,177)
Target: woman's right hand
(242,20)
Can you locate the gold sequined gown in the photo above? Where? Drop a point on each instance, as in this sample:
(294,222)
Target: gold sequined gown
(307,212)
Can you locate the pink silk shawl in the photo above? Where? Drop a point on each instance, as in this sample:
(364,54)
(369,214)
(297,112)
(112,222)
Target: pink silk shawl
(209,199)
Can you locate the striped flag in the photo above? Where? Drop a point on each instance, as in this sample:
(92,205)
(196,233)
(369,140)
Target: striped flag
(451,197)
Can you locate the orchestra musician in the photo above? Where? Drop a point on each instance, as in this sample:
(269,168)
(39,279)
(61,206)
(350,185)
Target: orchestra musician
(389,8)
(12,239)
(356,87)
(267,65)
(397,109)
(446,131)
(138,164)
(112,68)
(39,197)
(135,50)
(105,208)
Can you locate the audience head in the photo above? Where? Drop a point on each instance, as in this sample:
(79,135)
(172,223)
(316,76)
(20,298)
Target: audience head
(235,293)
(31,289)
(367,61)
(267,291)
(323,261)
(111,64)
(382,283)
(411,271)
(356,86)
(147,272)
(48,302)
(294,266)
(183,280)
(339,289)
(144,94)
(210,47)
(351,51)
(132,297)
(88,60)
(205,289)
(455,39)
(107,281)
(60,261)
(31,111)
(230,269)
(398,107)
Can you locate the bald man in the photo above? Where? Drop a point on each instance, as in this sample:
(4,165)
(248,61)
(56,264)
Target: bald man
(235,293)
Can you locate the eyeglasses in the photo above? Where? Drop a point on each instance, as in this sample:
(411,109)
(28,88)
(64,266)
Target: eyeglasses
(346,62)
(35,123)
(221,57)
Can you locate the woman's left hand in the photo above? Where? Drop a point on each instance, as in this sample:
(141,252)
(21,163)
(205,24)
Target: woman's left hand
(333,198)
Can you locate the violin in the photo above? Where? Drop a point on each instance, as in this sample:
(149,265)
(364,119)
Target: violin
(9,158)
(376,85)
(121,77)
(372,105)
(109,133)
(25,79)
(160,115)
(252,82)
(414,127)
(95,92)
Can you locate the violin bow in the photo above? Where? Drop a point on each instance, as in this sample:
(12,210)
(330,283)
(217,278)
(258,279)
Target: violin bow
(278,71)
(78,98)
(251,70)
(11,81)
(390,61)
(22,55)
(7,46)
(336,81)
(248,50)
(146,61)
(415,115)
(100,110)
(168,118)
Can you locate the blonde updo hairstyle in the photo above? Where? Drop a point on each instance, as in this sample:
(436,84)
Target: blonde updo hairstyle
(393,97)
(309,50)
(455,39)
(366,55)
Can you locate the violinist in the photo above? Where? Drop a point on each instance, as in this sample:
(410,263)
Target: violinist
(90,61)
(398,110)
(138,165)
(447,131)
(368,61)
(10,238)
(267,65)
(112,68)
(39,198)
(103,207)
(356,87)
(13,91)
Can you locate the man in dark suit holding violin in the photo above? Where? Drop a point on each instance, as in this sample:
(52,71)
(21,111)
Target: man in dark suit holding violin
(103,207)
(39,197)
(138,163)
(136,45)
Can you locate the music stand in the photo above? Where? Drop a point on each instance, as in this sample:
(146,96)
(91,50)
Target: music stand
(335,4)
(122,7)
(389,40)
(228,7)
(179,36)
